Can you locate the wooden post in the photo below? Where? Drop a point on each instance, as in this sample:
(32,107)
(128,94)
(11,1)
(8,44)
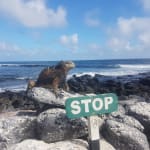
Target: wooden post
(93,129)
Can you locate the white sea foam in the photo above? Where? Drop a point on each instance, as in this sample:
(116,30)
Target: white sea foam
(1,65)
(105,73)
(23,78)
(81,74)
(1,90)
(115,72)
(15,88)
(20,65)
(120,73)
(135,66)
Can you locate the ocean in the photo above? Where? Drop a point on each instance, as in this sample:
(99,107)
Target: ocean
(15,75)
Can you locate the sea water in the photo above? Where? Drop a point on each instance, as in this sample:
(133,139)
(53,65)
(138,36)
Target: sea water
(15,75)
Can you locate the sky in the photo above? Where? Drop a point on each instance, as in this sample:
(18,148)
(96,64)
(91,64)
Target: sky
(47,30)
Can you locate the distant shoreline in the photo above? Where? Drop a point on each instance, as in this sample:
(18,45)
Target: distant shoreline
(108,59)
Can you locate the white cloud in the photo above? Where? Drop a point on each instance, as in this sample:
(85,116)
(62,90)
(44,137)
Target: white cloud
(92,19)
(94,47)
(11,49)
(146,5)
(70,41)
(33,13)
(115,43)
(133,25)
(118,44)
(7,47)
(131,34)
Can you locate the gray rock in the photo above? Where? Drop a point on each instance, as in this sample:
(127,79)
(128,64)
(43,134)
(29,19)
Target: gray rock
(40,145)
(130,101)
(53,125)
(130,121)
(120,111)
(141,111)
(30,145)
(124,137)
(70,145)
(3,146)
(46,96)
(15,128)
(104,145)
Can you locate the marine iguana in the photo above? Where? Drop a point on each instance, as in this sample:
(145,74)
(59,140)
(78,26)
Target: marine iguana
(53,77)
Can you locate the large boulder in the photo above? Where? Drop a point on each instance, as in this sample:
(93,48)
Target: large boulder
(40,145)
(128,120)
(124,137)
(30,144)
(132,100)
(141,111)
(53,125)
(15,127)
(14,101)
(46,96)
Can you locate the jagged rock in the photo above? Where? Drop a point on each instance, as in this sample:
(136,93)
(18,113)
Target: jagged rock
(53,125)
(141,111)
(15,127)
(40,145)
(46,96)
(145,81)
(123,86)
(130,121)
(124,137)
(14,101)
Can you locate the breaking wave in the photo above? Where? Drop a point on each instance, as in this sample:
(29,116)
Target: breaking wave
(135,66)
(23,65)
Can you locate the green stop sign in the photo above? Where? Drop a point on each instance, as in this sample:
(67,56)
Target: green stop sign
(77,107)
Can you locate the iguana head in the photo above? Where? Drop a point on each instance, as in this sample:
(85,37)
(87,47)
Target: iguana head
(67,65)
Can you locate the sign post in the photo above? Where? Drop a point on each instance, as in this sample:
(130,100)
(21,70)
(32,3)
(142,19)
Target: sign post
(91,106)
(94,137)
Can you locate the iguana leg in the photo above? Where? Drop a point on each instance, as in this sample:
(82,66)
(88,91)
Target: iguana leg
(66,87)
(55,85)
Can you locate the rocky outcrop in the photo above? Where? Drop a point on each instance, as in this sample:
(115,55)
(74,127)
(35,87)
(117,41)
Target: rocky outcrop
(132,100)
(46,96)
(31,145)
(46,99)
(141,111)
(15,127)
(40,145)
(53,125)
(122,86)
(130,121)
(14,101)
(21,127)
(124,137)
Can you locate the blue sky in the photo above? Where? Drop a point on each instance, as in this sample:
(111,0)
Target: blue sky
(74,30)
